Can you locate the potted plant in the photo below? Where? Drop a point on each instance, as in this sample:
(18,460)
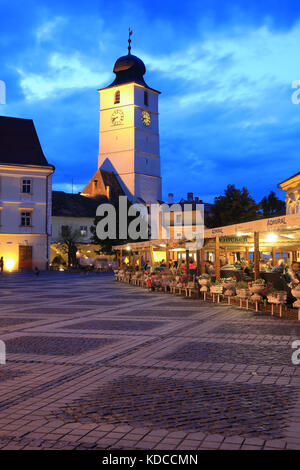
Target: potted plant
(242,290)
(257,286)
(277,296)
(216,288)
(204,280)
(229,284)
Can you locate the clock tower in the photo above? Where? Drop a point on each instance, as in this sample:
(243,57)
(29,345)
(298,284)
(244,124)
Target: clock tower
(129,132)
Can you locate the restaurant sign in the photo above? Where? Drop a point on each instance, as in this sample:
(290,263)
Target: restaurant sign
(236,240)
(279,221)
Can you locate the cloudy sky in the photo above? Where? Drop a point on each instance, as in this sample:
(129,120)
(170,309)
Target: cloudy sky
(225,70)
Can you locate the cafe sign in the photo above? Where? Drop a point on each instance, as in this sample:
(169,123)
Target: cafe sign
(235,240)
(276,223)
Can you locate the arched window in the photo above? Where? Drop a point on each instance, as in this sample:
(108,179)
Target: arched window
(117,97)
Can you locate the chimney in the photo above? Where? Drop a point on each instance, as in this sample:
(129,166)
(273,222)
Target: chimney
(196,198)
(190,196)
(170,198)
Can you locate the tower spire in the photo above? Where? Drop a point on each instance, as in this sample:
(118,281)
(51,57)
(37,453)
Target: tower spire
(129,41)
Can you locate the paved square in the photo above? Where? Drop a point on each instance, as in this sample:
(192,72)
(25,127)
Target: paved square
(92,363)
(115,325)
(53,345)
(167,403)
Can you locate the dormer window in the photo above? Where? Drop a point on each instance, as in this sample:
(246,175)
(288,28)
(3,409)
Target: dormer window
(146,96)
(117,97)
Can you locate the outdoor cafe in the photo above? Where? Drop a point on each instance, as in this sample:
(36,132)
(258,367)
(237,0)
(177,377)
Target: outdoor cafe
(249,264)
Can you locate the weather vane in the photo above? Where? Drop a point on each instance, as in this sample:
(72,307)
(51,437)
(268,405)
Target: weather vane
(129,40)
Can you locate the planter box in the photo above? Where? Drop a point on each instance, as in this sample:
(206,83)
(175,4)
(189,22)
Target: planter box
(296,293)
(243,293)
(216,289)
(203,282)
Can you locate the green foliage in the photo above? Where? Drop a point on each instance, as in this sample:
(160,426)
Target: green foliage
(241,285)
(271,204)
(235,206)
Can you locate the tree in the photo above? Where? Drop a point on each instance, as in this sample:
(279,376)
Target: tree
(69,237)
(107,244)
(271,204)
(234,207)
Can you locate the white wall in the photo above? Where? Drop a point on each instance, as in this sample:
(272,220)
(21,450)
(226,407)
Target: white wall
(75,223)
(131,149)
(13,202)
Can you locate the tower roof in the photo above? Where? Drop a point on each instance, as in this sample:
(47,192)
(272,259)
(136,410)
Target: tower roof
(129,69)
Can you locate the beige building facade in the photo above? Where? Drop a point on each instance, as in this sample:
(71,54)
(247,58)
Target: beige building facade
(25,197)
(291,186)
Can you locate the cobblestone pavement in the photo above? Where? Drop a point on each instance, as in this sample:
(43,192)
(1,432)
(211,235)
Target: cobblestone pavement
(94,364)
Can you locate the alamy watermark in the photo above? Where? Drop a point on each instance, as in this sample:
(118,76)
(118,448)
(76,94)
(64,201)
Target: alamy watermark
(2,352)
(296,93)
(2,92)
(154,221)
(296,353)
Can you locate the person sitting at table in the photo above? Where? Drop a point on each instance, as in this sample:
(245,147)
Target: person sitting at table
(263,265)
(294,274)
(280,268)
(269,265)
(238,265)
(209,268)
(245,267)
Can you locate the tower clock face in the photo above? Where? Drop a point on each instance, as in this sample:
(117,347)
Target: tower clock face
(146,118)
(117,117)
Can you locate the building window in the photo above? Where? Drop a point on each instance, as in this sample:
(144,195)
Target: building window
(83,230)
(146,102)
(26,219)
(117,97)
(178,219)
(26,186)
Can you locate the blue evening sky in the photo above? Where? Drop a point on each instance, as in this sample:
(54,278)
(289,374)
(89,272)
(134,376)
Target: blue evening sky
(225,70)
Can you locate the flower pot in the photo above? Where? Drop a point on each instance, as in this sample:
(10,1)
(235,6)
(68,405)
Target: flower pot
(242,293)
(216,289)
(256,288)
(296,293)
(229,292)
(204,289)
(256,298)
(228,285)
(203,282)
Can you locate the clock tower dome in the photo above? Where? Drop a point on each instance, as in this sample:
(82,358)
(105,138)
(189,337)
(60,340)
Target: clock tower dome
(129,132)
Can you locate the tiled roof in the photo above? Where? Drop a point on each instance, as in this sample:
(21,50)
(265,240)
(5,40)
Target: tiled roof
(74,205)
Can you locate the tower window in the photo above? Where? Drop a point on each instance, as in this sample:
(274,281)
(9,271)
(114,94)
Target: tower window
(117,97)
(146,102)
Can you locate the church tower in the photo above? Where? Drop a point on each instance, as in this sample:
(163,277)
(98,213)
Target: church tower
(129,132)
